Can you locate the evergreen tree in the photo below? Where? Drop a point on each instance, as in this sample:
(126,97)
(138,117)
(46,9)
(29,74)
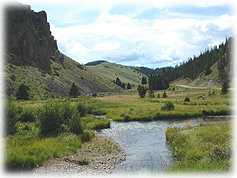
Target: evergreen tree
(151,92)
(144,80)
(123,85)
(141,91)
(129,86)
(74,92)
(165,95)
(23,92)
(118,82)
(208,71)
(225,85)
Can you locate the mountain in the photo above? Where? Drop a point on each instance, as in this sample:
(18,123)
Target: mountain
(32,57)
(110,71)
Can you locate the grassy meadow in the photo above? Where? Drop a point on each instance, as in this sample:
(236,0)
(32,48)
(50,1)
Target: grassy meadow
(206,148)
(30,141)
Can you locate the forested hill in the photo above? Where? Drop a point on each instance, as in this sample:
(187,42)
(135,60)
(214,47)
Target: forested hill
(148,71)
(191,69)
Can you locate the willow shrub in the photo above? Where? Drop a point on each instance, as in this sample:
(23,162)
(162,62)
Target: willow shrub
(58,118)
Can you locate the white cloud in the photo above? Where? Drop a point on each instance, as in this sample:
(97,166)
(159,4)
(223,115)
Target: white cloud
(107,46)
(124,38)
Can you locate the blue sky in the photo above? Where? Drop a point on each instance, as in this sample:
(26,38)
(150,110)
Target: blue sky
(137,33)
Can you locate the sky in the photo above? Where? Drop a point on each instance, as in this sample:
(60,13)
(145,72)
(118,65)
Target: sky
(150,33)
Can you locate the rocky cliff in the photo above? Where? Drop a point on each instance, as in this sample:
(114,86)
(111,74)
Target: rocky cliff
(32,57)
(28,37)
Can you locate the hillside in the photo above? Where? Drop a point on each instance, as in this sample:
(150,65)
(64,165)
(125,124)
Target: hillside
(211,81)
(111,71)
(32,57)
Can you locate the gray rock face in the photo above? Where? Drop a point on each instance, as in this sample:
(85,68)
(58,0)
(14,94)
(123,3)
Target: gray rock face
(28,37)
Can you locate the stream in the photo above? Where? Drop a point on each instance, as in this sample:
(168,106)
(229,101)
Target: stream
(145,144)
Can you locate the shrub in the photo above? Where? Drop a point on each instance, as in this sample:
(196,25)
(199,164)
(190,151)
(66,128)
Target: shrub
(75,125)
(12,117)
(168,106)
(74,91)
(81,109)
(164,95)
(58,118)
(23,92)
(187,99)
(50,120)
(27,116)
(141,91)
(86,136)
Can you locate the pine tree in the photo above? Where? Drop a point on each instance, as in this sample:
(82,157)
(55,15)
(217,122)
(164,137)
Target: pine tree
(129,86)
(23,92)
(165,95)
(74,92)
(144,81)
(151,92)
(141,91)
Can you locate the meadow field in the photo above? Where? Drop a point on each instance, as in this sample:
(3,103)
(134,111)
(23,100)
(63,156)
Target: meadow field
(43,129)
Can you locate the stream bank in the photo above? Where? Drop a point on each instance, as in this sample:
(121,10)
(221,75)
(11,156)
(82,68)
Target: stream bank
(96,157)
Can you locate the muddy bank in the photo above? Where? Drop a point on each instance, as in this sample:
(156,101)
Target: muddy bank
(97,157)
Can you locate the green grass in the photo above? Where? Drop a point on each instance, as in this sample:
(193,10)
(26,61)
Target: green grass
(111,71)
(64,71)
(122,108)
(205,148)
(26,148)
(26,151)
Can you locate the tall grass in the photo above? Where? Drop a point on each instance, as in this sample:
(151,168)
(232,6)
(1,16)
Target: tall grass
(206,148)
(28,151)
(52,130)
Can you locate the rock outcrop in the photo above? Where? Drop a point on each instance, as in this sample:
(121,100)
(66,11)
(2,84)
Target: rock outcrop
(28,37)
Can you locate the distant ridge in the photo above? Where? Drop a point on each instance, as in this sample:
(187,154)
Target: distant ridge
(94,63)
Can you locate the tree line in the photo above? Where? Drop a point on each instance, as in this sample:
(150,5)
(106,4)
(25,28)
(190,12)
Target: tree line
(202,63)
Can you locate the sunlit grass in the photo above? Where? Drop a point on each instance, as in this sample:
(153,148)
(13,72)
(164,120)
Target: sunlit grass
(206,148)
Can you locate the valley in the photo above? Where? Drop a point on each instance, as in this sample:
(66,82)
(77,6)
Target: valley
(66,118)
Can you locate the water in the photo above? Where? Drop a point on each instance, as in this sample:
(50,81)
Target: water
(145,144)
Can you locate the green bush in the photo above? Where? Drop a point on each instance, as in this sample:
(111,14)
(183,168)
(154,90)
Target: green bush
(81,109)
(168,106)
(187,99)
(57,118)
(86,136)
(12,117)
(27,116)
(23,92)
(75,125)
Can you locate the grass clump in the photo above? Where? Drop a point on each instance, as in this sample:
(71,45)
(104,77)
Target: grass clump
(169,106)
(87,136)
(82,161)
(206,148)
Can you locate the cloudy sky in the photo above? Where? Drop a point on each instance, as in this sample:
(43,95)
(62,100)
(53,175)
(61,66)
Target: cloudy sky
(138,33)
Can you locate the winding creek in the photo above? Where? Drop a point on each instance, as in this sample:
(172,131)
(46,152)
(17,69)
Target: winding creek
(145,144)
